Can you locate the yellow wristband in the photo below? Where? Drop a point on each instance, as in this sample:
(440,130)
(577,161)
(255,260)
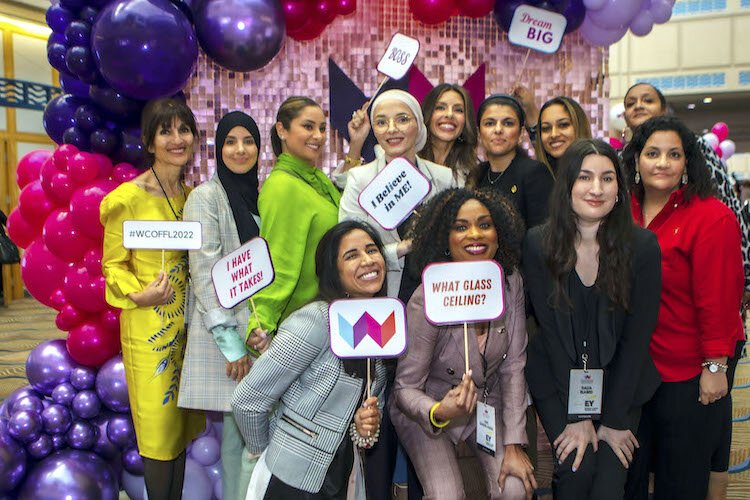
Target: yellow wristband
(351,161)
(434,422)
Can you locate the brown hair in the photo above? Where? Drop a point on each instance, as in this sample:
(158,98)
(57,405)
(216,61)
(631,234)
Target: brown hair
(160,114)
(288,111)
(578,119)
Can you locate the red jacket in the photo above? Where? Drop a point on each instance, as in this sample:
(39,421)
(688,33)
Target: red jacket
(702,284)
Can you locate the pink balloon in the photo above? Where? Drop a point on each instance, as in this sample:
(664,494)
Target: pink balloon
(68,318)
(105,165)
(34,204)
(63,238)
(57,185)
(30,165)
(21,232)
(727,148)
(42,272)
(83,168)
(721,130)
(325,11)
(124,172)
(93,261)
(84,291)
(432,11)
(58,300)
(347,7)
(91,344)
(110,319)
(61,155)
(84,207)
(476,8)
(296,13)
(712,140)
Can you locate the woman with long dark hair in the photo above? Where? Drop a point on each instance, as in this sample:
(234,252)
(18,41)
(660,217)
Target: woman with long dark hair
(562,121)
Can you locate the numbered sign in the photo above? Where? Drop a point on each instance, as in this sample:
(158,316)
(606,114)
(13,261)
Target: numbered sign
(161,235)
(394,193)
(537,29)
(243,273)
(367,328)
(399,56)
(458,292)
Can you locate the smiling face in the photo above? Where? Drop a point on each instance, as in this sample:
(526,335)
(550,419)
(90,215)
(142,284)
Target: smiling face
(306,135)
(662,162)
(449,117)
(395,128)
(641,103)
(239,151)
(499,130)
(360,264)
(557,130)
(173,145)
(473,235)
(594,192)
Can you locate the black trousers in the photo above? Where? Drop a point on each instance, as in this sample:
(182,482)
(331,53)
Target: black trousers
(600,476)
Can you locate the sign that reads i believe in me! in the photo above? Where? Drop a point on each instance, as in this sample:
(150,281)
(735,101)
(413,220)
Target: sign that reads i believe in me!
(242,273)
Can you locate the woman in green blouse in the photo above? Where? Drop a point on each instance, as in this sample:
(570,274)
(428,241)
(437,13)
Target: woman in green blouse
(297,205)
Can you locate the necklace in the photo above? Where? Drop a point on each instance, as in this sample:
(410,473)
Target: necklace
(165,194)
(489,177)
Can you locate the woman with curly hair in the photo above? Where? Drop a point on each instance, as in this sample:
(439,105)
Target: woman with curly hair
(434,401)
(686,426)
(593,279)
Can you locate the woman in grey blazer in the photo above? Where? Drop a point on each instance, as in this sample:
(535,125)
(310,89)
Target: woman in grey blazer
(319,411)
(216,358)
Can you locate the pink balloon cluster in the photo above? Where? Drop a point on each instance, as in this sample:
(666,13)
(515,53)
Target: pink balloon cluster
(57,222)
(439,11)
(719,140)
(608,20)
(307,19)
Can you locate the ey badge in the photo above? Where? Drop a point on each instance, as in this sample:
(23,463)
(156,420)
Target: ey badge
(585,393)
(486,435)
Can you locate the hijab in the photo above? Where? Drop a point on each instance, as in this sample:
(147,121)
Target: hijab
(412,103)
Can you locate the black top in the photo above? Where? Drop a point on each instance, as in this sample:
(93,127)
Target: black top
(583,323)
(526,182)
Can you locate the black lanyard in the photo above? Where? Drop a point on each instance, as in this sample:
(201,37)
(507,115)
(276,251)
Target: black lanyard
(165,194)
(483,355)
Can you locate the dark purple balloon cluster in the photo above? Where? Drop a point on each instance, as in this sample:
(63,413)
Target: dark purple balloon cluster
(73,420)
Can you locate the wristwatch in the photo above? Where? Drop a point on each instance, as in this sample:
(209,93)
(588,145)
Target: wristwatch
(715,367)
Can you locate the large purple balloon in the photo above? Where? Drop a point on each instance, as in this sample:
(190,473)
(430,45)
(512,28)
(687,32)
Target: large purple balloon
(79,475)
(241,35)
(600,36)
(144,48)
(111,385)
(575,13)
(81,435)
(48,365)
(59,115)
(12,460)
(56,419)
(86,404)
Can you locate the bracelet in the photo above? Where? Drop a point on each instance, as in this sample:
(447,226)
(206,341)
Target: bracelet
(351,162)
(435,423)
(715,366)
(361,441)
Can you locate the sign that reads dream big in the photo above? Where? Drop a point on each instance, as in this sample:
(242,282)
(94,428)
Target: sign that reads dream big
(367,328)
(537,29)
(458,292)
(242,273)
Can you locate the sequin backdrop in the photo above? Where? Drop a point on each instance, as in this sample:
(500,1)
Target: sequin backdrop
(450,52)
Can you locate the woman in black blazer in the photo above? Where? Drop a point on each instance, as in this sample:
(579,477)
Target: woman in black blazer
(594,280)
(508,170)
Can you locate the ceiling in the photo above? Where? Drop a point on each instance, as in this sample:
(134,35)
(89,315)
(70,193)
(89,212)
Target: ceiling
(732,108)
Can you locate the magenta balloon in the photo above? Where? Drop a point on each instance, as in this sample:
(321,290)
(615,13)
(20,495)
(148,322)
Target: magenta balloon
(120,431)
(91,344)
(21,232)
(48,365)
(110,320)
(34,204)
(432,11)
(84,291)
(325,11)
(111,385)
(197,485)
(42,272)
(132,461)
(58,186)
(661,10)
(25,425)
(346,8)
(30,165)
(615,14)
(64,239)
(296,13)
(476,8)
(61,155)
(86,404)
(41,447)
(56,419)
(600,37)
(642,24)
(105,165)
(79,475)
(83,168)
(144,48)
(83,377)
(124,172)
(58,300)
(69,317)
(12,460)
(721,130)
(92,259)
(84,207)
(64,393)
(206,450)
(242,35)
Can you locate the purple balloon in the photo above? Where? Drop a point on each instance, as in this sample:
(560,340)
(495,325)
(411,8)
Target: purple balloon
(79,475)
(78,33)
(575,13)
(131,151)
(58,441)
(58,18)
(599,36)
(115,103)
(77,138)
(30,403)
(206,450)
(74,86)
(73,5)
(120,431)
(41,447)
(111,385)
(56,57)
(81,435)
(19,393)
(83,377)
(241,35)
(12,460)
(197,485)
(132,461)
(214,472)
(218,490)
(63,394)
(661,10)
(49,363)
(144,48)
(88,15)
(103,141)
(25,425)
(80,63)
(56,419)
(615,14)
(56,38)
(642,24)
(58,117)
(86,404)
(504,11)
(103,446)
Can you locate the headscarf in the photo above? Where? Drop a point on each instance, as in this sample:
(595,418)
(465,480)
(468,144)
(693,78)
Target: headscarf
(241,189)
(411,102)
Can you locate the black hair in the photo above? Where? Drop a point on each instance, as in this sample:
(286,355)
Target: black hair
(662,99)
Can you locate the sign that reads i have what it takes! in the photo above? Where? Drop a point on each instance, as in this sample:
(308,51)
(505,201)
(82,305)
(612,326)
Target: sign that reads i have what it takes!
(243,273)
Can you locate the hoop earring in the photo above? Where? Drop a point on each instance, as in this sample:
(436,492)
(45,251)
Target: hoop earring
(447,252)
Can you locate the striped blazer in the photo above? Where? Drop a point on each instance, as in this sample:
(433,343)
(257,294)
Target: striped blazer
(204,384)
(313,397)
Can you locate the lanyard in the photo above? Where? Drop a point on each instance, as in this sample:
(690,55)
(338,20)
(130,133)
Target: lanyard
(485,391)
(165,194)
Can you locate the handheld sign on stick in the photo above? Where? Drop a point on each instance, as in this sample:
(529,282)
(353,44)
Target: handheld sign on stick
(398,58)
(537,29)
(463,292)
(367,328)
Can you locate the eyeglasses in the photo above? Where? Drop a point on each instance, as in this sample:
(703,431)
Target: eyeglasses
(382,124)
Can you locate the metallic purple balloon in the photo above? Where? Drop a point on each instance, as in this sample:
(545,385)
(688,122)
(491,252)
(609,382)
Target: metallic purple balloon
(575,13)
(104,141)
(79,475)
(83,377)
(31,403)
(86,404)
(144,48)
(58,441)
(58,18)
(41,447)
(57,118)
(19,393)
(132,461)
(56,57)
(25,425)
(78,33)
(63,394)
(87,118)
(120,431)
(111,385)
(116,104)
(74,86)
(12,460)
(56,419)
(81,435)
(241,35)
(77,138)
(103,446)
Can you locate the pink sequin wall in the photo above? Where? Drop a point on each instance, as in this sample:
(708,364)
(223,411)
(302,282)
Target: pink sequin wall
(450,52)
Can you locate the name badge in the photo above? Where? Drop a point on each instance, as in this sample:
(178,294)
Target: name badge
(585,394)
(486,435)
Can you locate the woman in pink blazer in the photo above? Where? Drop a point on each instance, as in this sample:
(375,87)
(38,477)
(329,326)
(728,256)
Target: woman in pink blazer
(434,402)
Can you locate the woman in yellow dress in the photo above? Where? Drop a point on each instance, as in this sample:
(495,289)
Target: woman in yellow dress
(150,288)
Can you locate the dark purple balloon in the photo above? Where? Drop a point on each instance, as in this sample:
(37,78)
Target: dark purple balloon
(575,14)
(104,141)
(79,475)
(120,431)
(56,419)
(59,442)
(132,461)
(88,14)
(241,35)
(49,363)
(63,394)
(504,11)
(41,447)
(31,403)
(111,385)
(58,18)
(56,38)
(558,6)
(86,404)
(83,377)
(87,119)
(25,425)
(144,48)
(12,460)
(78,33)
(115,102)
(56,57)
(80,63)
(81,435)
(103,446)
(74,86)
(131,151)
(77,138)
(73,5)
